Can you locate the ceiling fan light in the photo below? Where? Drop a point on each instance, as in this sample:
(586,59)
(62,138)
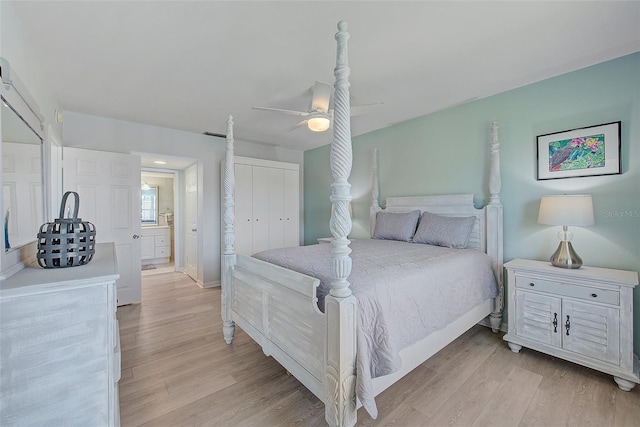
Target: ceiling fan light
(318,124)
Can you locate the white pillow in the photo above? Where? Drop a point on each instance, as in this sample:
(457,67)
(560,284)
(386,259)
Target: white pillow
(396,226)
(448,231)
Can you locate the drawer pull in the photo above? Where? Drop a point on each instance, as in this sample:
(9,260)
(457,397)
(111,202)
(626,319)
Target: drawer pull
(555,323)
(567,325)
(594,295)
(532,284)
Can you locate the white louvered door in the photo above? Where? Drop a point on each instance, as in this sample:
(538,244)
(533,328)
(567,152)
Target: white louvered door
(540,317)
(593,330)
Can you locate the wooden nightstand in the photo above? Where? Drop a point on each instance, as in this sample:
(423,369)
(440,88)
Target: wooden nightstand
(584,316)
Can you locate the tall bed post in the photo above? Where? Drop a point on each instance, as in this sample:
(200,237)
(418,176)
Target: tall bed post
(375,191)
(494,225)
(228,255)
(340,304)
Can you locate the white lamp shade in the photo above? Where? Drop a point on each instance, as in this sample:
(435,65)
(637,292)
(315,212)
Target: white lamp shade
(318,124)
(576,209)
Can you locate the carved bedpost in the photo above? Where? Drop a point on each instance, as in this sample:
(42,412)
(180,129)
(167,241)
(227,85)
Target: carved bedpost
(375,191)
(340,304)
(495,226)
(228,255)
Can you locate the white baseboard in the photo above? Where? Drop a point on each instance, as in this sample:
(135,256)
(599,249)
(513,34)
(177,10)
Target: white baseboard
(213,284)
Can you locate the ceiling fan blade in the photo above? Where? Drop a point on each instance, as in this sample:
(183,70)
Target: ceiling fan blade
(296,126)
(279,110)
(358,110)
(321,97)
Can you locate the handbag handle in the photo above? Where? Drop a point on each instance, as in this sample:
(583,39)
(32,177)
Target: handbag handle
(75,207)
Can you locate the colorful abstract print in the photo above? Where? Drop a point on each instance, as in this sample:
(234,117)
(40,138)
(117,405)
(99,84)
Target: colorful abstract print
(577,153)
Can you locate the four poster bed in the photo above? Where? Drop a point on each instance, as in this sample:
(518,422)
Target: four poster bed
(348,348)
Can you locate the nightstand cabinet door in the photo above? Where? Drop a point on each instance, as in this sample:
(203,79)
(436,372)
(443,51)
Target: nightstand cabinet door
(591,330)
(539,317)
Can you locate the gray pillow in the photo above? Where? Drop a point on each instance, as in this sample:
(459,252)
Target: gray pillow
(448,231)
(396,226)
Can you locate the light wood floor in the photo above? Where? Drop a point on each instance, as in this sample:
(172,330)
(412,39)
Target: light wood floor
(177,371)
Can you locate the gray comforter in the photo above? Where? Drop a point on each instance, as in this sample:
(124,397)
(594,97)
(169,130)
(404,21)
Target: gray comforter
(405,291)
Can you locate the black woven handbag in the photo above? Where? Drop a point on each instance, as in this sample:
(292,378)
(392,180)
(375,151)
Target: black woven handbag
(66,242)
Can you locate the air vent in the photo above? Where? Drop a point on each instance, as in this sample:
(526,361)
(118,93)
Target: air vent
(219,135)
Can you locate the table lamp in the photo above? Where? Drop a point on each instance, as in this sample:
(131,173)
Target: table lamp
(566,210)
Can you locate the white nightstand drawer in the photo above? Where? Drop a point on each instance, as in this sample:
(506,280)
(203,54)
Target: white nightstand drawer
(574,291)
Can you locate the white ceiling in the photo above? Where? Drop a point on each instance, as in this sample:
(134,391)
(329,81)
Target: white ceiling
(187,65)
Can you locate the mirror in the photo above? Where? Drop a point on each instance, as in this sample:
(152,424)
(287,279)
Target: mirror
(22,180)
(149,211)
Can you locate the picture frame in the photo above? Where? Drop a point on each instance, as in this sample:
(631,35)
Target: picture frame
(581,152)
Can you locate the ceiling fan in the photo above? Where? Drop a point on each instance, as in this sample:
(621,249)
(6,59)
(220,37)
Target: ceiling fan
(319,116)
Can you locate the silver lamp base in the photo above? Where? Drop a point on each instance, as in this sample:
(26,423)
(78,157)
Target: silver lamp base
(565,256)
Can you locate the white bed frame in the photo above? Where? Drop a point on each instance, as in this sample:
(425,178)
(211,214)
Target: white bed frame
(278,307)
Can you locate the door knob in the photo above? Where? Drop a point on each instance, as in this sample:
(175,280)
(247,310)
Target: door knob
(136,236)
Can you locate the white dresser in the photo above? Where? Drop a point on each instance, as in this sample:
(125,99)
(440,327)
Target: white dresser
(583,315)
(59,345)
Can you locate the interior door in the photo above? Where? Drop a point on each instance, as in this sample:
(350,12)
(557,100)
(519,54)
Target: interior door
(243,226)
(260,209)
(291,208)
(108,185)
(276,209)
(191,220)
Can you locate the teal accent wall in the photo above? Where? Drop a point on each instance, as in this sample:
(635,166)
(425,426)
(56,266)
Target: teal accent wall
(448,152)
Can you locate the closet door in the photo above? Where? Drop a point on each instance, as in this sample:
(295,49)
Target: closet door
(276,208)
(260,209)
(291,207)
(244,209)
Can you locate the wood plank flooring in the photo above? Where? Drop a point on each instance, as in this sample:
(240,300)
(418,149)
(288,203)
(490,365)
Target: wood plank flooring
(178,371)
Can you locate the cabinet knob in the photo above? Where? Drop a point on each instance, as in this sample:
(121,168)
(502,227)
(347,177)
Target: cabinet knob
(532,284)
(136,236)
(594,295)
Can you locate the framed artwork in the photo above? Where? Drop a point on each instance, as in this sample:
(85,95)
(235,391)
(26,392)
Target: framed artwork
(588,151)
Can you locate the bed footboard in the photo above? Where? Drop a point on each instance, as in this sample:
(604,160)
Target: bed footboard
(278,309)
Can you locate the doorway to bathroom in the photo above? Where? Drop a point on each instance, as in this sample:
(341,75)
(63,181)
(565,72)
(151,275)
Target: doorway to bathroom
(157,214)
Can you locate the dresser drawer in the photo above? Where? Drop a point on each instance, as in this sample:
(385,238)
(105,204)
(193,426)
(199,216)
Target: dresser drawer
(573,291)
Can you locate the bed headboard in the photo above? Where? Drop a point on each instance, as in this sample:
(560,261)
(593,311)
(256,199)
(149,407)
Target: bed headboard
(457,205)
(487,234)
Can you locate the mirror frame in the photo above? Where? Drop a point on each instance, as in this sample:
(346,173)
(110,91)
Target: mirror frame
(156,208)
(16,95)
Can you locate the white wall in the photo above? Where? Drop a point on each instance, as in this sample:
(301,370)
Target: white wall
(15,48)
(100,133)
